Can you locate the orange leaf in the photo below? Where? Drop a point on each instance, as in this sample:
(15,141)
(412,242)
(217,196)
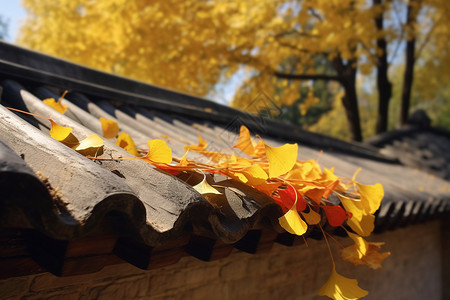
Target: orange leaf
(289,196)
(245,142)
(315,194)
(202,144)
(329,189)
(336,215)
(268,188)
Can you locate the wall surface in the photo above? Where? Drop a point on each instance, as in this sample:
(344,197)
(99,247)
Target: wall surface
(413,271)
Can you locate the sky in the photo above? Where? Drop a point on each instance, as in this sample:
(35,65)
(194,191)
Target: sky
(12,12)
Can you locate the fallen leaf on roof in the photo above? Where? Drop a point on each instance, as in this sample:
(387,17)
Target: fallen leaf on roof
(281,159)
(92,145)
(126,142)
(158,152)
(336,215)
(63,134)
(202,144)
(371,196)
(110,128)
(292,222)
(288,196)
(253,175)
(57,105)
(245,142)
(204,188)
(361,219)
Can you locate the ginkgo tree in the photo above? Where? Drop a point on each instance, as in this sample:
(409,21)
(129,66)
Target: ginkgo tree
(192,45)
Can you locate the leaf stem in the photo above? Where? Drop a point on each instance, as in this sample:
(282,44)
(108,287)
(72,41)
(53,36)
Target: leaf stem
(328,245)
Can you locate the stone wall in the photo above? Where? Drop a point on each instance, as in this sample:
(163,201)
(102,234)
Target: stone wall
(413,271)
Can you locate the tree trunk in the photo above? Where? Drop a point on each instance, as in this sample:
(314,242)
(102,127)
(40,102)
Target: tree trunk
(350,102)
(347,74)
(412,12)
(383,84)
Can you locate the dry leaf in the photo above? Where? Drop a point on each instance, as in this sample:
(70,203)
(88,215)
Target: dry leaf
(204,188)
(364,253)
(92,145)
(245,142)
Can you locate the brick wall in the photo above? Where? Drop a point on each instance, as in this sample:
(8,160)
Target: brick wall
(414,271)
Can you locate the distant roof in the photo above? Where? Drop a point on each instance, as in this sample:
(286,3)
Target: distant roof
(418,145)
(57,200)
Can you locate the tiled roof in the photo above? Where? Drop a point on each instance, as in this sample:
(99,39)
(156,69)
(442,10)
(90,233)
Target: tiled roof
(418,146)
(59,208)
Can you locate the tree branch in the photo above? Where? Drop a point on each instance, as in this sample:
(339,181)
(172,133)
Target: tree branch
(307,76)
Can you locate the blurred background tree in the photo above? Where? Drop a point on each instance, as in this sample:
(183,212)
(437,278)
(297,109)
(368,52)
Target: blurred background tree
(307,56)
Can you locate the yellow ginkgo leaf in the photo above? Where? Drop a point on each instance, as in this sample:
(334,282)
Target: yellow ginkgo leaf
(202,144)
(291,221)
(110,128)
(126,142)
(371,196)
(353,206)
(339,287)
(311,217)
(158,152)
(254,175)
(245,142)
(363,227)
(63,134)
(281,159)
(204,188)
(364,253)
(56,105)
(92,145)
